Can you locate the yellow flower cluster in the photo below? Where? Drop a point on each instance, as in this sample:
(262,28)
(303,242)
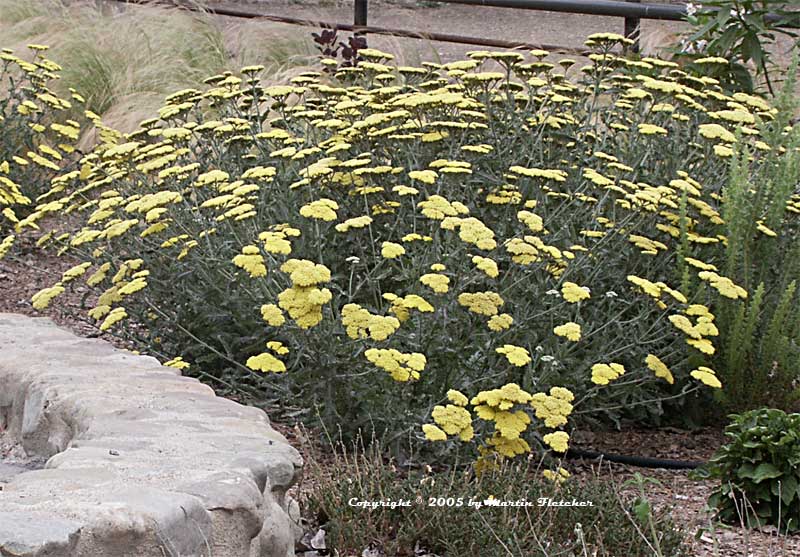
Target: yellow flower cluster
(496,405)
(706,376)
(697,333)
(574,293)
(482,303)
(114,316)
(437,207)
(471,231)
(723,285)
(5,245)
(500,322)
(452,419)
(266,362)
(437,282)
(516,355)
(355,222)
(570,331)
(401,306)
(402,367)
(272,314)
(251,261)
(559,476)
(276,241)
(487,265)
(322,209)
(177,363)
(43,298)
(603,374)
(558,441)
(659,368)
(656,290)
(391,250)
(360,323)
(554,408)
(533,221)
(303,301)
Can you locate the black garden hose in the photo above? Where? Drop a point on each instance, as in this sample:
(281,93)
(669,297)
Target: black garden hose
(641,461)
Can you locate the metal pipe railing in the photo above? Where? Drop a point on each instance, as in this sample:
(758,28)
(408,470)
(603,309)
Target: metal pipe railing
(614,8)
(360,13)
(370,29)
(631,10)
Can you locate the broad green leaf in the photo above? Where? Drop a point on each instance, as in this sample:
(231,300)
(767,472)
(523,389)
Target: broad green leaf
(766,471)
(788,487)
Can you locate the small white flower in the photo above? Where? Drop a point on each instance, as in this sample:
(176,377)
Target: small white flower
(548,358)
(611,294)
(691,9)
(739,14)
(553,293)
(353,260)
(538,348)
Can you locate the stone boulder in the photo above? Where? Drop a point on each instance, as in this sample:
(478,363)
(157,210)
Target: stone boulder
(142,462)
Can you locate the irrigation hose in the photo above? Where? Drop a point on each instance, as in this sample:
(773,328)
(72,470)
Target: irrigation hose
(640,461)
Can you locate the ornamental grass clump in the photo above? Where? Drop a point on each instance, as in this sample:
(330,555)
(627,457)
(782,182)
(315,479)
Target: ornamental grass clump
(486,247)
(125,58)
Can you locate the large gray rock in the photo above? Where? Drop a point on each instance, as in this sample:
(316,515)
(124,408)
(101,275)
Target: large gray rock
(28,535)
(142,462)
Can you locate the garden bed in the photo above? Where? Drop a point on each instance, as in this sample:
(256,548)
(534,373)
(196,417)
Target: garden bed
(477,265)
(686,499)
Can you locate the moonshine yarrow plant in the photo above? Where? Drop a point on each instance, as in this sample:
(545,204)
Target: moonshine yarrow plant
(38,137)
(475,252)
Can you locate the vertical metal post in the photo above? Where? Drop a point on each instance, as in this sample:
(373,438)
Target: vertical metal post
(360,15)
(633,29)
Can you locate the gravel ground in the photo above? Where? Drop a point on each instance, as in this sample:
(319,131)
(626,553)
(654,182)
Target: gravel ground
(675,491)
(13,460)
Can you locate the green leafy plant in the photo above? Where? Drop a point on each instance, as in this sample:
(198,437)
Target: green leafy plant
(741,31)
(758,471)
(643,509)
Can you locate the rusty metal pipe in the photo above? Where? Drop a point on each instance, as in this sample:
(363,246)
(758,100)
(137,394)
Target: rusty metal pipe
(614,8)
(442,37)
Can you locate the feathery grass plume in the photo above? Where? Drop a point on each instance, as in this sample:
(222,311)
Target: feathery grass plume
(125,59)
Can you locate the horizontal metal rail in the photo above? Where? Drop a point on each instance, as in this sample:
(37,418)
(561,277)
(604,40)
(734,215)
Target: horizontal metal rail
(613,8)
(631,10)
(390,31)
